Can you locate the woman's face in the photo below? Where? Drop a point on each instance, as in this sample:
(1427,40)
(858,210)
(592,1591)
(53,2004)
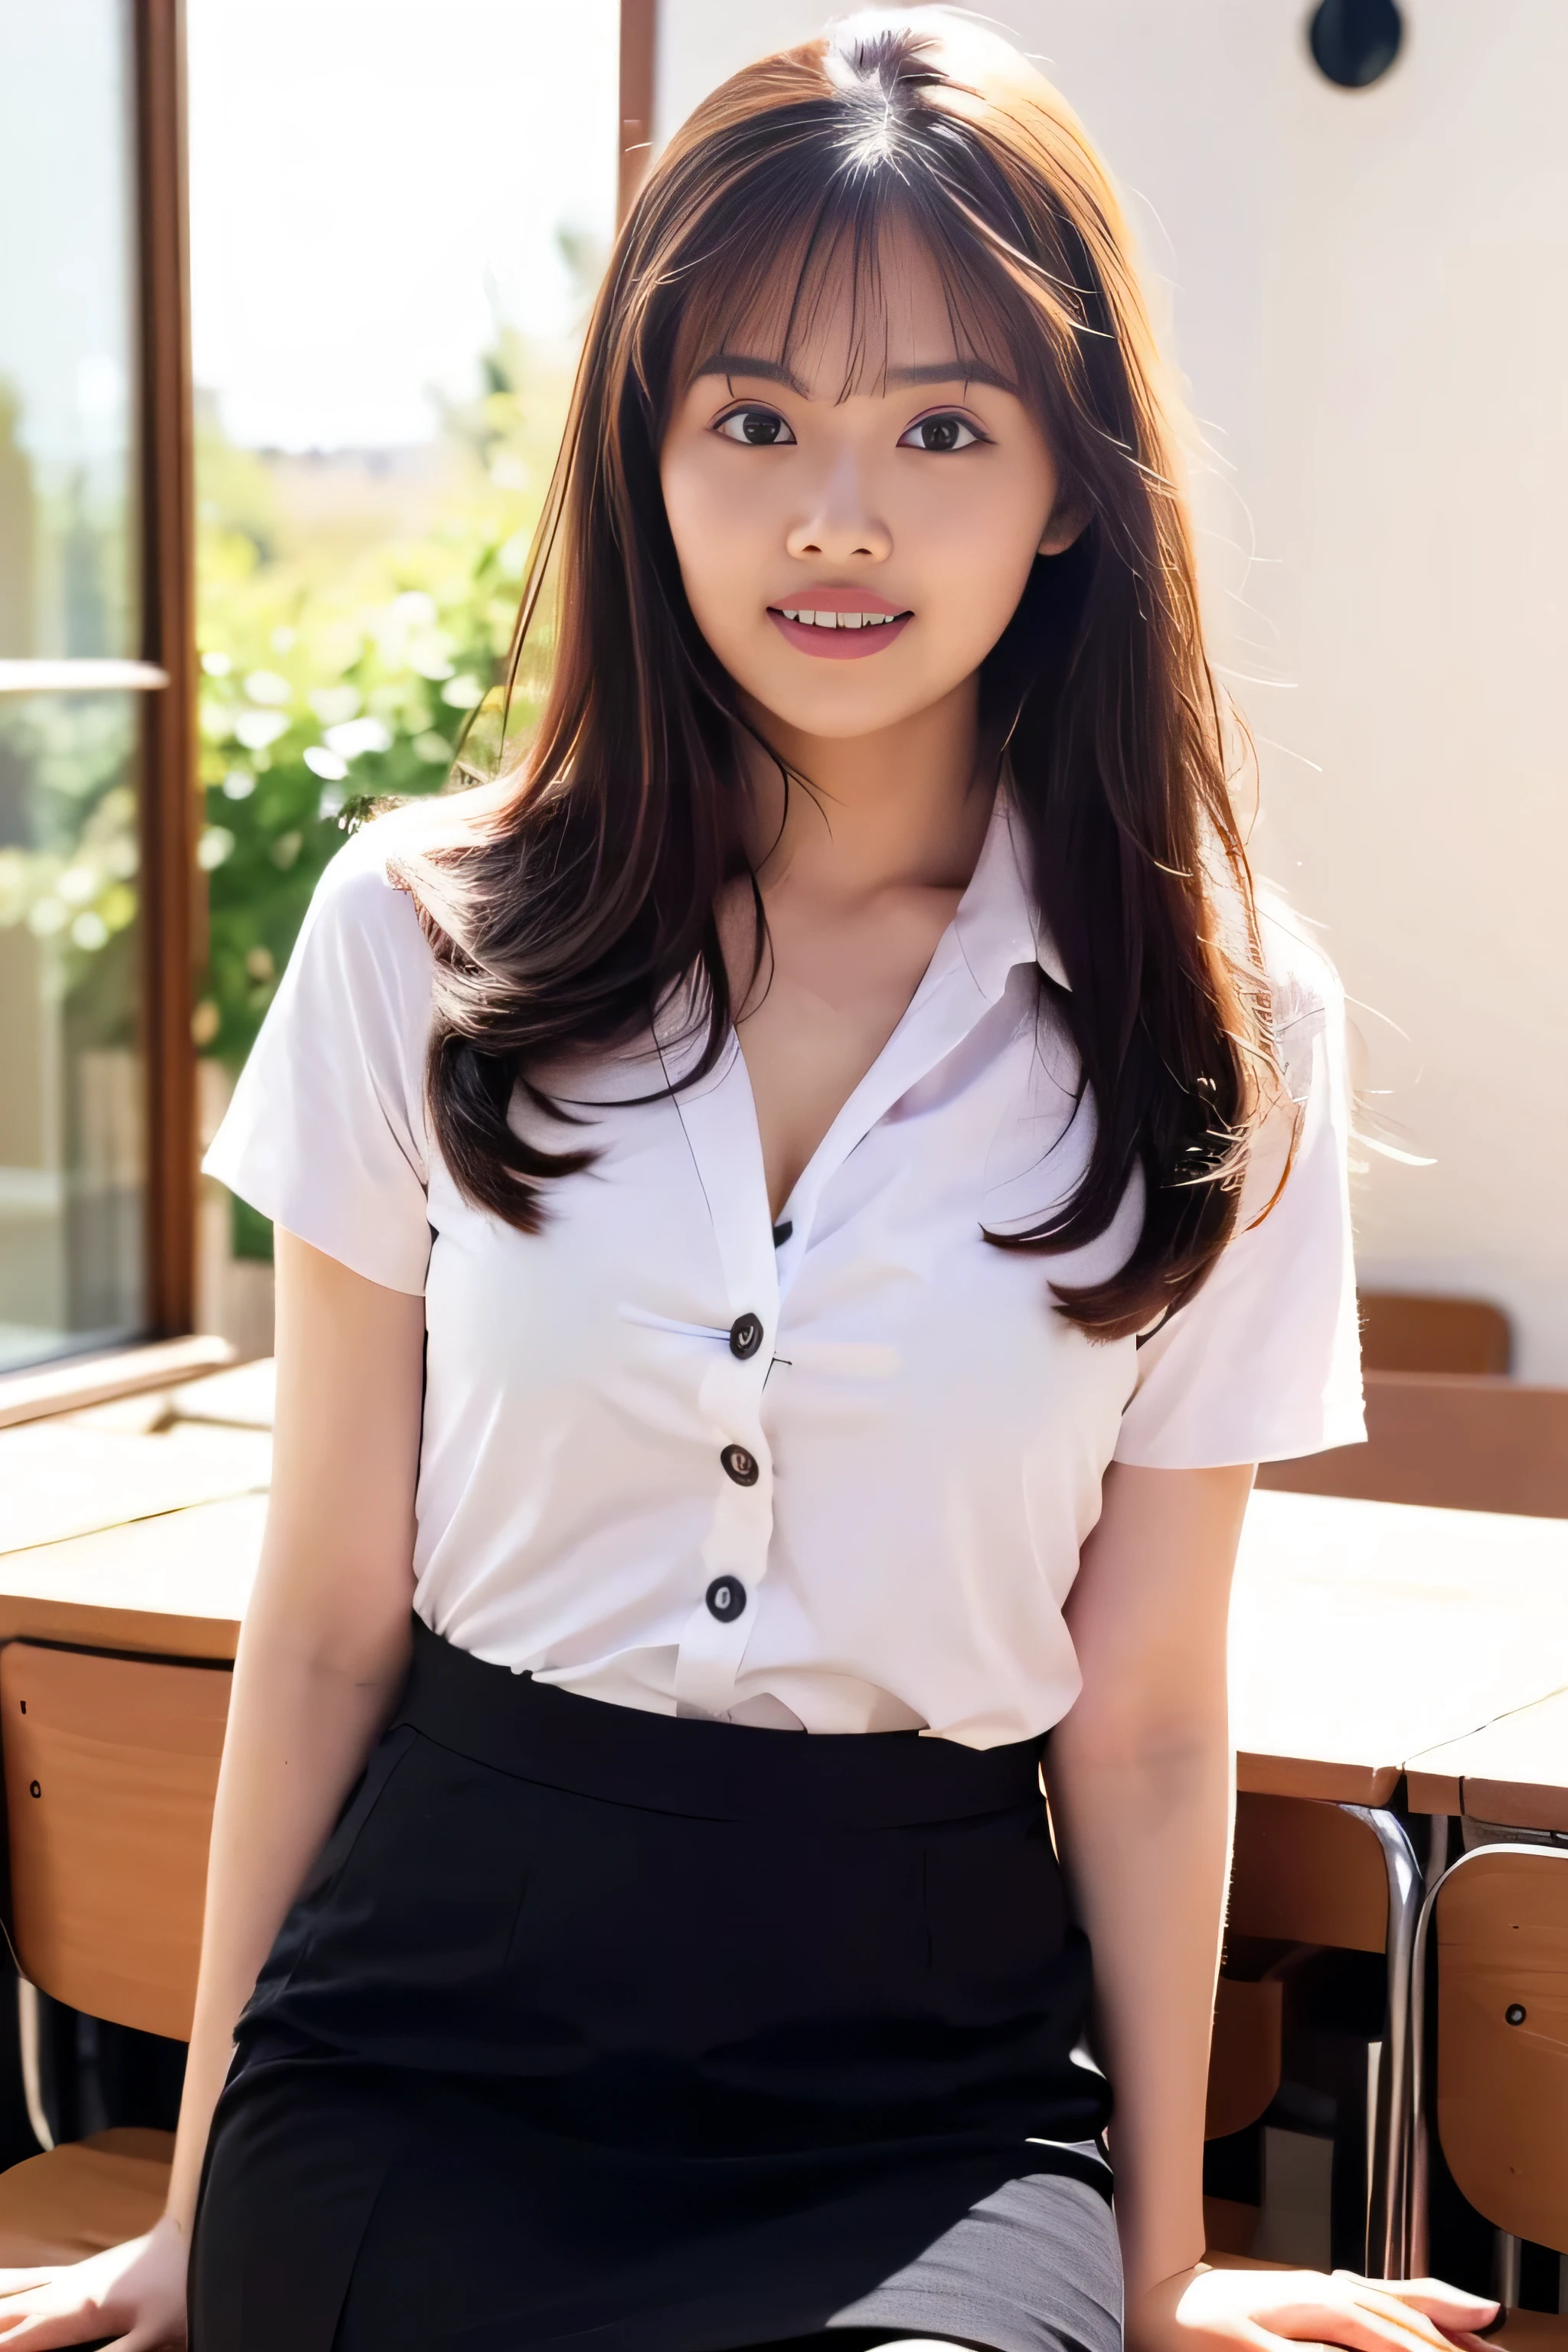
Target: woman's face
(851,560)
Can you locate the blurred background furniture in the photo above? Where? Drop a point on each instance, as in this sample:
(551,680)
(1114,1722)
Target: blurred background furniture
(1466,1443)
(1494,2078)
(1445,1425)
(1413,1331)
(1417,1331)
(110,1769)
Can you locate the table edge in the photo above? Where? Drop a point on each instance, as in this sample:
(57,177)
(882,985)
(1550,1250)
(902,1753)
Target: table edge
(92,1625)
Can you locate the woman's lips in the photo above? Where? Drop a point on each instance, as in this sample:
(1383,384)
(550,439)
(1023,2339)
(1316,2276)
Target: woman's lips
(859,626)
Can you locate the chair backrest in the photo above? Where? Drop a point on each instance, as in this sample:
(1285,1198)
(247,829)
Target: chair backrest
(1467,1444)
(1501,1924)
(1246,2053)
(1405,1331)
(1308,1874)
(111,1771)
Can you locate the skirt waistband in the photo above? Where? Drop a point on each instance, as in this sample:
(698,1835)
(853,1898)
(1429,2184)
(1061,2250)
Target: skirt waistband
(712,1771)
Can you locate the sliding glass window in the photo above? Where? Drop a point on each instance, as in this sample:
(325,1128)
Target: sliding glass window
(72,1088)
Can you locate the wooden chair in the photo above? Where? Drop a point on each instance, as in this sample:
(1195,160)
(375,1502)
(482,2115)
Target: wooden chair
(1467,1443)
(1402,1331)
(1500,1913)
(1311,1875)
(1246,2064)
(111,1769)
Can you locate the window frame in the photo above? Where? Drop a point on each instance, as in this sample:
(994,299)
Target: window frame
(638,56)
(172,891)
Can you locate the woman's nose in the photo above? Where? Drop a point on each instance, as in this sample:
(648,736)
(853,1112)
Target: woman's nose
(841,523)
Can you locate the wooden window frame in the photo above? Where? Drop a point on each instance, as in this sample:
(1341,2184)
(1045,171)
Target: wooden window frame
(639,51)
(173,897)
(171,891)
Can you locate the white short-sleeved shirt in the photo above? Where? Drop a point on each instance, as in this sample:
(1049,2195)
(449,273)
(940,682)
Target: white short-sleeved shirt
(871,1519)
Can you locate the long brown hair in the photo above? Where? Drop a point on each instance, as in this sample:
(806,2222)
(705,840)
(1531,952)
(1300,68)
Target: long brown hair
(588,893)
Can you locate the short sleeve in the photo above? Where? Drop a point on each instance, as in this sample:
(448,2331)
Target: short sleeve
(326,1132)
(1264,1363)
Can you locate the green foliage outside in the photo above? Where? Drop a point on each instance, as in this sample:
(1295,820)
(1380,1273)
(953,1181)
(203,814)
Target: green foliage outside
(344,644)
(339,663)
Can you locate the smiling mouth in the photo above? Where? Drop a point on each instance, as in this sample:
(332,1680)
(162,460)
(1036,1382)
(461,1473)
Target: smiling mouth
(837,635)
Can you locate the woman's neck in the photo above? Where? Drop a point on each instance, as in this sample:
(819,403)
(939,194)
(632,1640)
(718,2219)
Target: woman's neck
(905,807)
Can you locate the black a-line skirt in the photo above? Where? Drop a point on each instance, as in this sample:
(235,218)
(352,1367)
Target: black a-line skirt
(607,2030)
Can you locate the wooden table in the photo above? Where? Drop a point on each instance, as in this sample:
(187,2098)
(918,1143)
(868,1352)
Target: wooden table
(1513,1772)
(170,1587)
(1365,1635)
(136,1524)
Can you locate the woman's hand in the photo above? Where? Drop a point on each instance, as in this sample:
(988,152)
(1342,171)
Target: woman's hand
(1205,2310)
(133,2294)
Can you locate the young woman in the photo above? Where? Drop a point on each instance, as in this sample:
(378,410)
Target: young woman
(797,1210)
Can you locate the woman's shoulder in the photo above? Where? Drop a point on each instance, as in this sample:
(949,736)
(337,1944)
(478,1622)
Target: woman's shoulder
(365,900)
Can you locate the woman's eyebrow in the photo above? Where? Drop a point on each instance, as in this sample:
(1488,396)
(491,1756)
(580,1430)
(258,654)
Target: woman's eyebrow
(896,379)
(741,363)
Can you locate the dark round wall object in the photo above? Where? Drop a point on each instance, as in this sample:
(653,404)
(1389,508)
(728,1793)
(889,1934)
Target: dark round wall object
(1354,42)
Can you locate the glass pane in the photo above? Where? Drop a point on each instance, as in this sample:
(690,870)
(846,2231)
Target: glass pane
(383,349)
(72,1156)
(67,565)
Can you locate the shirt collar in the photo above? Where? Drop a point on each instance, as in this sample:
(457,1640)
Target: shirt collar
(997,923)
(996,927)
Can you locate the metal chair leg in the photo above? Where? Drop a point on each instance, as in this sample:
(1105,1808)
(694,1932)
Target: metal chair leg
(29,2034)
(1387,2247)
(1507,2263)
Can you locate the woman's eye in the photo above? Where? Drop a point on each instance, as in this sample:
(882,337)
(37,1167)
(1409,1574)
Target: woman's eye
(759,428)
(941,433)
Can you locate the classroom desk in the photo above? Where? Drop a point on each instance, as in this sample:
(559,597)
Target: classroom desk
(1365,1635)
(1512,1773)
(136,1524)
(170,1587)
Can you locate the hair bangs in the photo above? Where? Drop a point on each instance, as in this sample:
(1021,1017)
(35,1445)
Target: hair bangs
(857,222)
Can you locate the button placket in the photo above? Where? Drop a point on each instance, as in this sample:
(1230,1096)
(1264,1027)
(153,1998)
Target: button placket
(735,1554)
(720,1122)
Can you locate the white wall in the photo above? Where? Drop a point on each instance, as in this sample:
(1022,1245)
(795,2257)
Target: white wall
(1370,298)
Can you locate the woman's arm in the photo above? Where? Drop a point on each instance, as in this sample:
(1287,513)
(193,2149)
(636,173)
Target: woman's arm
(321,1656)
(1140,1777)
(325,1642)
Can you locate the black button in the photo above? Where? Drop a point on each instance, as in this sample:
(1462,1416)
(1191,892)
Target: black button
(726,1598)
(782,1232)
(1514,2012)
(739,1466)
(746,1336)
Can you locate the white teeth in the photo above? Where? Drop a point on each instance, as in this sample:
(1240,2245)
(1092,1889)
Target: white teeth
(838,620)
